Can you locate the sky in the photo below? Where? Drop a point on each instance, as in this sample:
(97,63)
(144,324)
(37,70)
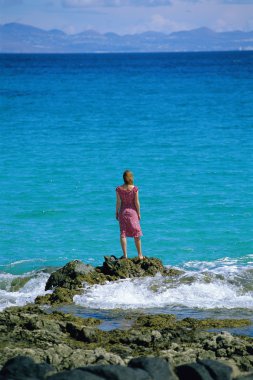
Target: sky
(129,16)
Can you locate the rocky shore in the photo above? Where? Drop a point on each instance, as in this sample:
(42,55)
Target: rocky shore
(38,342)
(68,281)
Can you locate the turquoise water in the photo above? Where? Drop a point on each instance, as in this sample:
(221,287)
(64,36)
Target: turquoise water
(70,126)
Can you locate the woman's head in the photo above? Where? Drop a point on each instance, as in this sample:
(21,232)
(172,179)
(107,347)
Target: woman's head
(128,177)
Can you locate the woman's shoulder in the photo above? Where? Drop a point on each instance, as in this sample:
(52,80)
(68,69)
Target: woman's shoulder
(119,188)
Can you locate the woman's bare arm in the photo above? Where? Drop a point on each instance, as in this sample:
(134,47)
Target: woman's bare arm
(118,204)
(137,204)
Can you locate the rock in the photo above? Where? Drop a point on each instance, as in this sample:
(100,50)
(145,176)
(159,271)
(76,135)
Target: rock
(85,334)
(246,377)
(141,368)
(169,321)
(119,269)
(24,368)
(204,370)
(158,321)
(117,372)
(217,370)
(193,371)
(66,341)
(157,368)
(115,268)
(68,281)
(103,357)
(76,374)
(59,296)
(18,283)
(214,323)
(71,276)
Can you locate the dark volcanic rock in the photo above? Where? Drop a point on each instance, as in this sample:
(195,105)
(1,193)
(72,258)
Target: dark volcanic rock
(24,368)
(142,368)
(193,371)
(117,372)
(217,370)
(76,374)
(205,370)
(157,368)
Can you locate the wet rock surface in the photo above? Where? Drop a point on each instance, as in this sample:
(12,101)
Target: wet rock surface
(169,320)
(68,281)
(67,342)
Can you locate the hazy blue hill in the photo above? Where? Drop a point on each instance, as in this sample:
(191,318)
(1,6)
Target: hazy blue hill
(57,32)
(19,38)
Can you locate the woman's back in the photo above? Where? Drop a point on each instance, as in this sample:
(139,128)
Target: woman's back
(127,197)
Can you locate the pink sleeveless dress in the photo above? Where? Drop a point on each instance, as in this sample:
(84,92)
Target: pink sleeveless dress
(128,218)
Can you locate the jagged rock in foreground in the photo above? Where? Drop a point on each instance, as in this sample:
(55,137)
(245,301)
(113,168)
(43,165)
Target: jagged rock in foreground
(143,368)
(68,342)
(67,281)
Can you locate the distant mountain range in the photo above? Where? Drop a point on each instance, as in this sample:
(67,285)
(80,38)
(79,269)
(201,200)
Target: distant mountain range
(19,38)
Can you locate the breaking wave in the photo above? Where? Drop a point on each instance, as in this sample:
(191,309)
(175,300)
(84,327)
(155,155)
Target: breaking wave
(220,284)
(22,289)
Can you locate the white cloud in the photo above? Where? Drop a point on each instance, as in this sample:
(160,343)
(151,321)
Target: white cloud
(160,23)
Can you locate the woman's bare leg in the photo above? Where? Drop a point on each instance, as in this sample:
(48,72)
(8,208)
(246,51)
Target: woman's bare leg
(137,241)
(123,243)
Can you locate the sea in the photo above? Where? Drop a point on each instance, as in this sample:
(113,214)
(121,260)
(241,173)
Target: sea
(183,123)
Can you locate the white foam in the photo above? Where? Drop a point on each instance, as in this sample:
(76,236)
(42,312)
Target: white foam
(159,292)
(27,294)
(7,278)
(223,265)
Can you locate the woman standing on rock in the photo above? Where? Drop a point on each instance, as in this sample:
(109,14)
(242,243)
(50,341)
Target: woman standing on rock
(128,213)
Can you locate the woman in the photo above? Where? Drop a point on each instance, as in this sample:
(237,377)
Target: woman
(128,214)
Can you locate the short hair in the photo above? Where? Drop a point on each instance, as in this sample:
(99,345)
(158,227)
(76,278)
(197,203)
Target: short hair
(128,177)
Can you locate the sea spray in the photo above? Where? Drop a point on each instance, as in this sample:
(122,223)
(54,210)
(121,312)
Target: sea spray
(27,293)
(204,290)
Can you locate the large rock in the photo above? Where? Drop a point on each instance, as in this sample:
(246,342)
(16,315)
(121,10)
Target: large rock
(24,368)
(72,275)
(204,370)
(218,371)
(76,374)
(117,372)
(120,269)
(193,371)
(157,368)
(68,281)
(141,368)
